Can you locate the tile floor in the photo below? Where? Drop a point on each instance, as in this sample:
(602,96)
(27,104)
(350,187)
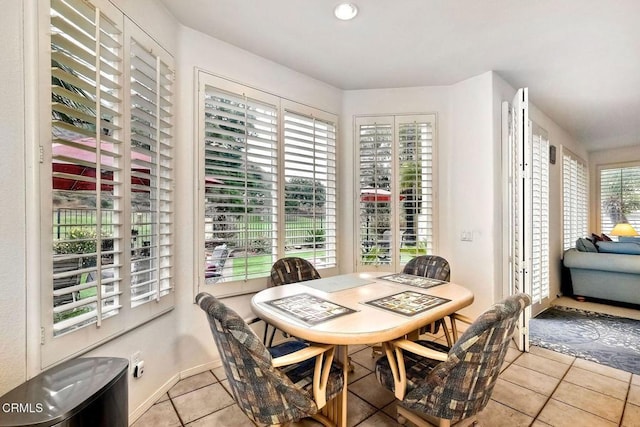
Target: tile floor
(540,388)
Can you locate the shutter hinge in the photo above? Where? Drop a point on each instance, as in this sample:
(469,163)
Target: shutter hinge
(41,335)
(41,153)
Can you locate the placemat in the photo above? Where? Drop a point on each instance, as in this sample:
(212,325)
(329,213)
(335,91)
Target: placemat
(408,303)
(309,309)
(411,280)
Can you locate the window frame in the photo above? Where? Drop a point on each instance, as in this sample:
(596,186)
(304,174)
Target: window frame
(598,189)
(223,288)
(69,344)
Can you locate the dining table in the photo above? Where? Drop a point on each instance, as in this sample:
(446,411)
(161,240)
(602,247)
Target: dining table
(356,309)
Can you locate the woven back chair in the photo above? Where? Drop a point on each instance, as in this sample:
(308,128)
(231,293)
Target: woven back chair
(446,385)
(292,270)
(266,390)
(433,267)
(284,271)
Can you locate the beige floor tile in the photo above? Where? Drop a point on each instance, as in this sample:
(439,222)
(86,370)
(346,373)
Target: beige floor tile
(512,354)
(635,379)
(498,415)
(219,373)
(163,398)
(363,357)
(356,348)
(542,365)
(603,369)
(597,382)
(519,398)
(559,414)
(159,415)
(538,423)
(357,410)
(359,371)
(192,383)
(596,403)
(528,378)
(634,395)
(631,416)
(379,419)
(231,416)
(369,389)
(390,409)
(201,402)
(552,355)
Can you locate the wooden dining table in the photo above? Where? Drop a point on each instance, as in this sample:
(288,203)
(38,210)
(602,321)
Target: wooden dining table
(357,308)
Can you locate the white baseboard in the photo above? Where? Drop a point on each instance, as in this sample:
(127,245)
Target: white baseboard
(147,404)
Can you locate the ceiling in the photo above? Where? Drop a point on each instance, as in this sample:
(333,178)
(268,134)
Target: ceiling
(580,59)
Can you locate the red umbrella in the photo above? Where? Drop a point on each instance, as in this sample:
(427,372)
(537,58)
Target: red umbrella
(376,195)
(74,167)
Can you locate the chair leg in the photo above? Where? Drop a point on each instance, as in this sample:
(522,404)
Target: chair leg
(447,334)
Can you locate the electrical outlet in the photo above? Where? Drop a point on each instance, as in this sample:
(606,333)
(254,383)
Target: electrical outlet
(133,362)
(138,369)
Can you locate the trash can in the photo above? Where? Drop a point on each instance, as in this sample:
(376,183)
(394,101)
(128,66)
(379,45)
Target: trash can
(89,391)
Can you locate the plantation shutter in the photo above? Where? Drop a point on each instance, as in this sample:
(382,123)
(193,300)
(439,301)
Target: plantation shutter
(540,214)
(240,164)
(86,165)
(416,185)
(310,183)
(574,199)
(396,201)
(375,140)
(619,197)
(151,170)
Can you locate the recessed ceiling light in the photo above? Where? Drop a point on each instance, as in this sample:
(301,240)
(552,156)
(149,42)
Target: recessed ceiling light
(345,11)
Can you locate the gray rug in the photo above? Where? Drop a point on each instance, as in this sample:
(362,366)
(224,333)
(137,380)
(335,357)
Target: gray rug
(608,340)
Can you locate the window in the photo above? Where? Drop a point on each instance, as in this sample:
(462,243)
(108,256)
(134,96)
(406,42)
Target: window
(108,172)
(268,174)
(396,183)
(619,196)
(574,198)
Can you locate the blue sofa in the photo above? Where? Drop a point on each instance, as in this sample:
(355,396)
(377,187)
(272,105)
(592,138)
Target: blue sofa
(609,271)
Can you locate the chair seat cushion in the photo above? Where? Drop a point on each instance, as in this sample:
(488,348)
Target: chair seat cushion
(417,367)
(301,374)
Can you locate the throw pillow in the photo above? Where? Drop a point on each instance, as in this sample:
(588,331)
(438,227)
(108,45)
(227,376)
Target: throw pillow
(595,238)
(585,245)
(629,239)
(619,248)
(605,238)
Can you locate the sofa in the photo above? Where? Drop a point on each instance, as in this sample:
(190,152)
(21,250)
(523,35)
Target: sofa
(605,270)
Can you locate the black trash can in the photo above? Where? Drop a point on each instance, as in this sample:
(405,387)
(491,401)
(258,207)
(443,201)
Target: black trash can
(89,391)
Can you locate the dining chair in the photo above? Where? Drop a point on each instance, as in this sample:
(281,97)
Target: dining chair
(433,267)
(276,385)
(284,271)
(441,385)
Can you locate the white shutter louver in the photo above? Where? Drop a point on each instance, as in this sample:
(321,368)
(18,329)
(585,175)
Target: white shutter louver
(574,199)
(86,164)
(240,185)
(396,183)
(310,182)
(151,175)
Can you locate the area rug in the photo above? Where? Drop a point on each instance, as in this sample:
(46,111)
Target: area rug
(602,338)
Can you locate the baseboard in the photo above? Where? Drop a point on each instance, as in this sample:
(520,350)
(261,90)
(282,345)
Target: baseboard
(147,404)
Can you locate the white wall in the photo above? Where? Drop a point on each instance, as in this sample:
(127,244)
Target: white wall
(466,161)
(13,201)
